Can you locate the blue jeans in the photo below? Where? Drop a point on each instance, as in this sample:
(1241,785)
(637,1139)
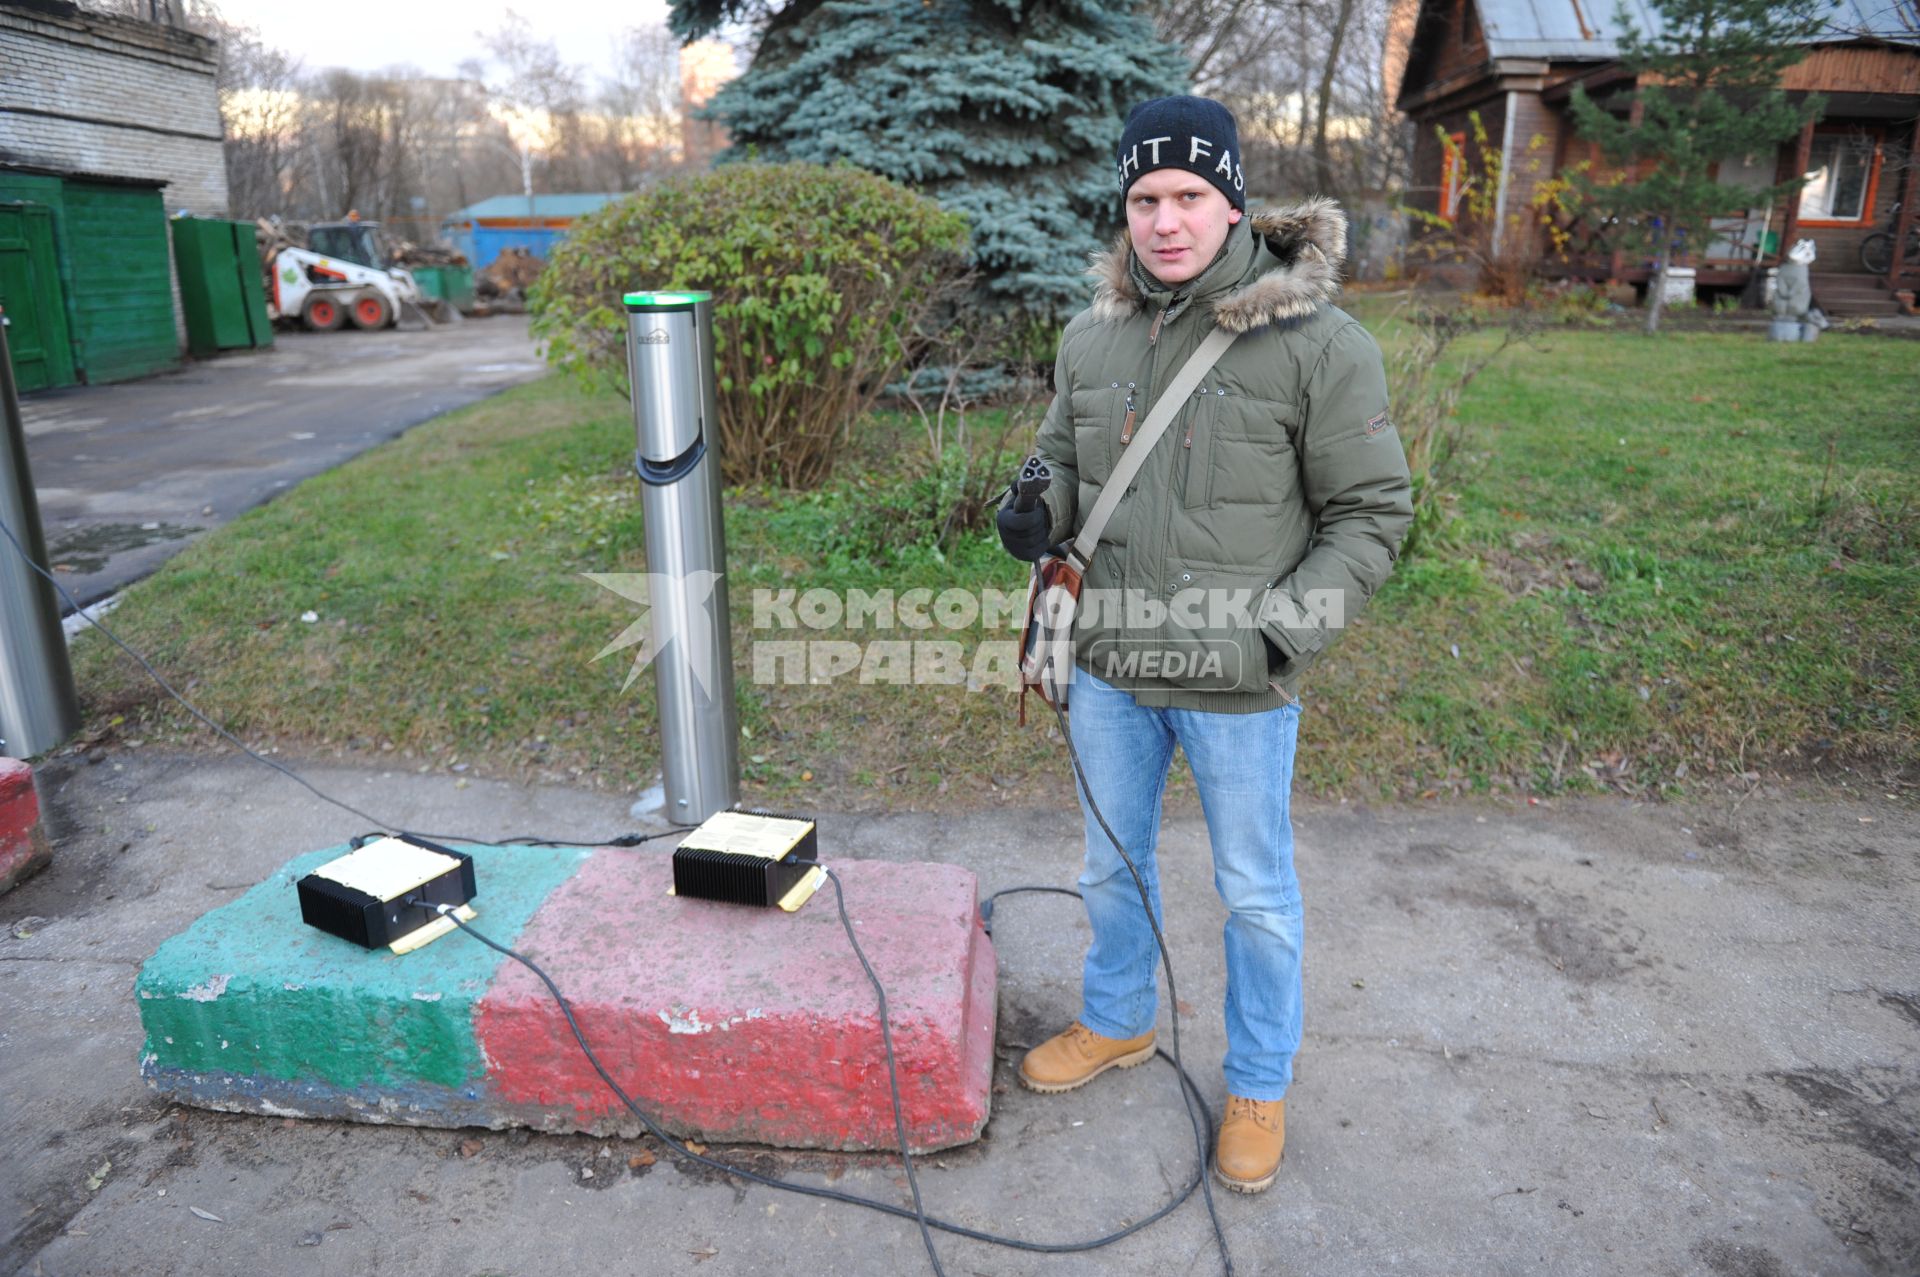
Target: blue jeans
(1243,767)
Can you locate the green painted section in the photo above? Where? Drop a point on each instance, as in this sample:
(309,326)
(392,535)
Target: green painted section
(121,281)
(30,293)
(653,301)
(253,284)
(251,990)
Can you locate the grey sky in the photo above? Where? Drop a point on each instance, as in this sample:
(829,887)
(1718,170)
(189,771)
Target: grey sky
(434,35)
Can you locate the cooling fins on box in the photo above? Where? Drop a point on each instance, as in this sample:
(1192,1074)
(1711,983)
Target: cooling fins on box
(750,858)
(386,893)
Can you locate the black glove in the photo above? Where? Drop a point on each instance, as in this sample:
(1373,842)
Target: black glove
(1025,535)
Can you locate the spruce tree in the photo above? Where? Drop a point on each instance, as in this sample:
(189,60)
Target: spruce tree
(1006,111)
(1708,87)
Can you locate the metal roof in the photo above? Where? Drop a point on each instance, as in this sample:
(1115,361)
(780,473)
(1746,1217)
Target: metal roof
(1591,28)
(543,206)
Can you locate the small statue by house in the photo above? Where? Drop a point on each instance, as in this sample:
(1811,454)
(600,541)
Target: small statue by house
(1795,317)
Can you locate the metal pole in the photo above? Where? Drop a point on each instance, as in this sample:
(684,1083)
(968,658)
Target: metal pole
(675,411)
(38,709)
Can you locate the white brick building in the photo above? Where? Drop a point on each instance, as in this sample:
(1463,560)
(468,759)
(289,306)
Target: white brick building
(115,97)
(108,125)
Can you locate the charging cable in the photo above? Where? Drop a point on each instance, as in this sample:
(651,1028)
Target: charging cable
(237,743)
(1190,1094)
(1189,1088)
(1202,1120)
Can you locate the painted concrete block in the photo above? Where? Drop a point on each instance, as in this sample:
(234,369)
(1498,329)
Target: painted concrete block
(726,1023)
(251,1010)
(752,1025)
(23,844)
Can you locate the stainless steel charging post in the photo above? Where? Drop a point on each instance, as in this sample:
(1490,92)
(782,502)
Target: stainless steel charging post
(670,367)
(38,709)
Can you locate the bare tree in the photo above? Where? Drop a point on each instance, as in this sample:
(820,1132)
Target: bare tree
(409,148)
(472,154)
(1305,78)
(260,90)
(543,93)
(1223,38)
(639,105)
(532,74)
(1342,15)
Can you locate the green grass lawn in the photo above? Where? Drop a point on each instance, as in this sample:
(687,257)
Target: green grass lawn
(1669,561)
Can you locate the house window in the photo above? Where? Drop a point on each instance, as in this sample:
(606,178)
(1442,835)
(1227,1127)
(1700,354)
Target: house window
(1453,173)
(1840,173)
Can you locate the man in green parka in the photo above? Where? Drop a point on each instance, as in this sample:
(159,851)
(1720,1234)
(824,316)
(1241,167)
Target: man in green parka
(1263,519)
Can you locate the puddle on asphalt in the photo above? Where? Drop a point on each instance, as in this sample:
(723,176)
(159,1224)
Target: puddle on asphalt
(86,550)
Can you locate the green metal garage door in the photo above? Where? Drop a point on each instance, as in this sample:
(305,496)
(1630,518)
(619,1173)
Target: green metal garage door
(122,287)
(30,293)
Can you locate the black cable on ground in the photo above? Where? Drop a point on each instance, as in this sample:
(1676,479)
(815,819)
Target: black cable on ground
(522,840)
(167,687)
(1202,1120)
(624,840)
(893,1073)
(1189,1090)
(986,906)
(673,1146)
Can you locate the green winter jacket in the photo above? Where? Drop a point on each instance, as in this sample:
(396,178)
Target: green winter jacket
(1274,505)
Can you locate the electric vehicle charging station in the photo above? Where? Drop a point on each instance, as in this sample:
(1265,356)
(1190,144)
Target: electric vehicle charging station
(675,413)
(38,708)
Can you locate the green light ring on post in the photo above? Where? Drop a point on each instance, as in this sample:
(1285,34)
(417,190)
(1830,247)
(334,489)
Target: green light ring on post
(665,300)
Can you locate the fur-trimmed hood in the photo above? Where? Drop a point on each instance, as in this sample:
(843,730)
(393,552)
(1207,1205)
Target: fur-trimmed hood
(1301,250)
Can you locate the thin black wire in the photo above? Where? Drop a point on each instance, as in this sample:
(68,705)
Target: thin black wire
(893,1073)
(1189,1091)
(1200,1126)
(1038,886)
(531,840)
(674,1147)
(624,840)
(193,709)
(986,906)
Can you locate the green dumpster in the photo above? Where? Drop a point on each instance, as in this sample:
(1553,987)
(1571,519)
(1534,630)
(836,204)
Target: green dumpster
(221,289)
(451,284)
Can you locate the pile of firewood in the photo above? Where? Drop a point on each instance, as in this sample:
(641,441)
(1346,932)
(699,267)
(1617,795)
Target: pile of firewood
(272,235)
(409,254)
(503,284)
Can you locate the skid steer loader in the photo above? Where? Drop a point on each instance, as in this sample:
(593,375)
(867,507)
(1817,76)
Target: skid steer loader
(342,276)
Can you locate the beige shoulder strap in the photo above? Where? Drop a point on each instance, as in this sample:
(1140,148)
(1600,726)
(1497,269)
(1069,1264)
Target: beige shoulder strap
(1164,410)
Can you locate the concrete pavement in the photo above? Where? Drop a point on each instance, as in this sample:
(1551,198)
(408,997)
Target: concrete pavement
(1592,1037)
(129,474)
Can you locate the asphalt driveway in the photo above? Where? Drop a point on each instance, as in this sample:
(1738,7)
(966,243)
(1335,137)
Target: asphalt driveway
(128,475)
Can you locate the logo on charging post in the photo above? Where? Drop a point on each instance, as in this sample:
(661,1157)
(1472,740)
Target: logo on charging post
(656,592)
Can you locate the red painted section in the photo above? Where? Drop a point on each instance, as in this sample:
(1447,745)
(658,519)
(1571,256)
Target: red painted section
(741,1024)
(23,848)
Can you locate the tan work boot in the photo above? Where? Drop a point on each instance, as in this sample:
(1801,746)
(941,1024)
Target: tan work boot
(1253,1138)
(1078,1056)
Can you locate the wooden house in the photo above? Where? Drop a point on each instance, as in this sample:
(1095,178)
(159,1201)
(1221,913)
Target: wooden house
(1515,63)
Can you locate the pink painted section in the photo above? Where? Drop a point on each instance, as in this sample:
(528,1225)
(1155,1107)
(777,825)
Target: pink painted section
(23,848)
(739,1024)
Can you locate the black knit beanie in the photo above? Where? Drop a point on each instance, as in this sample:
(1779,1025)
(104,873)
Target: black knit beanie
(1195,134)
